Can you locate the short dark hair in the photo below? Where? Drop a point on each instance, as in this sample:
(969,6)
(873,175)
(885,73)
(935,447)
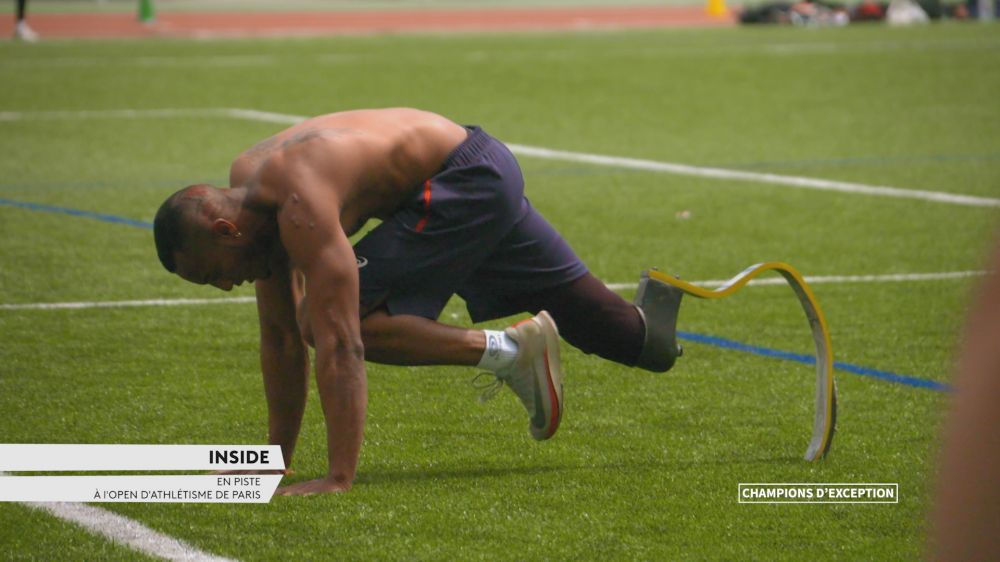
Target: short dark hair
(168,226)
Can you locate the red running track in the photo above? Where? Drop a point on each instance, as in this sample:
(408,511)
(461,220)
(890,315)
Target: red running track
(285,24)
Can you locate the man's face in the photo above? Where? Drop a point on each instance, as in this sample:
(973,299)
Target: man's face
(221,265)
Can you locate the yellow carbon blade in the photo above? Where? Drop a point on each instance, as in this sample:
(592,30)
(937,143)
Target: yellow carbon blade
(824,422)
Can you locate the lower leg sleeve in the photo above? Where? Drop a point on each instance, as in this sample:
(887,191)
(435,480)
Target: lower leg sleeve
(592,318)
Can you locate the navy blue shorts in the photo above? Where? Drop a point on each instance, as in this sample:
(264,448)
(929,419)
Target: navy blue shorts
(469,231)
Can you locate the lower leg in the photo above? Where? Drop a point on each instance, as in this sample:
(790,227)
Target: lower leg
(412,340)
(21,9)
(592,318)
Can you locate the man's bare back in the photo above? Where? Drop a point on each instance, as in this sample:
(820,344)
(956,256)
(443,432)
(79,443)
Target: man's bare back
(370,160)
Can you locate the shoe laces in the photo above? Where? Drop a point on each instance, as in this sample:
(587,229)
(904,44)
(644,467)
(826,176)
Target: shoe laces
(489,388)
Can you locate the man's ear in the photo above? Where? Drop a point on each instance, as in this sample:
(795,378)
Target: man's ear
(225,229)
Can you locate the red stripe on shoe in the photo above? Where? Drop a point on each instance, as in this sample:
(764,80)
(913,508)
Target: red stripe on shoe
(427,207)
(525,321)
(553,399)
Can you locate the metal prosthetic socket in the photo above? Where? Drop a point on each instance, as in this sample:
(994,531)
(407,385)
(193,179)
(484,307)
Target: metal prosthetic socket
(658,304)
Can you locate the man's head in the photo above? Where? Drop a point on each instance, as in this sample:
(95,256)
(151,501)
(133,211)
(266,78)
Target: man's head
(198,237)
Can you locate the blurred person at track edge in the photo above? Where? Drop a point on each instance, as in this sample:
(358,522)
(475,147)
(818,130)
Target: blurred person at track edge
(21,29)
(454,220)
(966,517)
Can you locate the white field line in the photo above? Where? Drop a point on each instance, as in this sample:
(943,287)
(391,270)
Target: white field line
(266,116)
(484,56)
(166,113)
(711,283)
(125,531)
(248,59)
(149,61)
(123,304)
(738,175)
(800,182)
(110,114)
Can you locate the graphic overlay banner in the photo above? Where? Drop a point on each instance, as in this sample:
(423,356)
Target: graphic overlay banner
(199,488)
(45,458)
(801,492)
(153,489)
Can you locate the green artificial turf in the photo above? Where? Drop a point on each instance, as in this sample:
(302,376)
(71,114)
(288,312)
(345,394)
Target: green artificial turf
(644,466)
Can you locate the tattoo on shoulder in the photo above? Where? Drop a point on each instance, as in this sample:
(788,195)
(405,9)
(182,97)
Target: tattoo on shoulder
(267,145)
(263,146)
(310,134)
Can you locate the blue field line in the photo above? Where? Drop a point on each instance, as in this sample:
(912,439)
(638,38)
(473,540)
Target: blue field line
(700,338)
(75,212)
(811,360)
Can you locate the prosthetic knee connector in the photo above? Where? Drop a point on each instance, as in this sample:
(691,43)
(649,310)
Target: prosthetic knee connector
(658,304)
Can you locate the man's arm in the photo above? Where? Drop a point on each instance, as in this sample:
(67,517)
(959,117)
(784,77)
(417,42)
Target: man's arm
(284,358)
(284,361)
(315,241)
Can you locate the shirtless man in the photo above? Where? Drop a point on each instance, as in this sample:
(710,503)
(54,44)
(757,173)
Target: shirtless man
(454,220)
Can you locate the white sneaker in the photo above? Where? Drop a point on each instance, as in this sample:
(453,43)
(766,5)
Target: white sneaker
(536,375)
(25,33)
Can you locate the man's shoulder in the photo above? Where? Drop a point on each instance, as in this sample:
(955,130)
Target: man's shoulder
(293,175)
(242,170)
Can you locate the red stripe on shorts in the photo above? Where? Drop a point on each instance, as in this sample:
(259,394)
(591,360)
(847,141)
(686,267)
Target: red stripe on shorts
(427,207)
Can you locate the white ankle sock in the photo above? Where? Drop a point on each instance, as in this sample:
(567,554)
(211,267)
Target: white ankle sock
(500,352)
